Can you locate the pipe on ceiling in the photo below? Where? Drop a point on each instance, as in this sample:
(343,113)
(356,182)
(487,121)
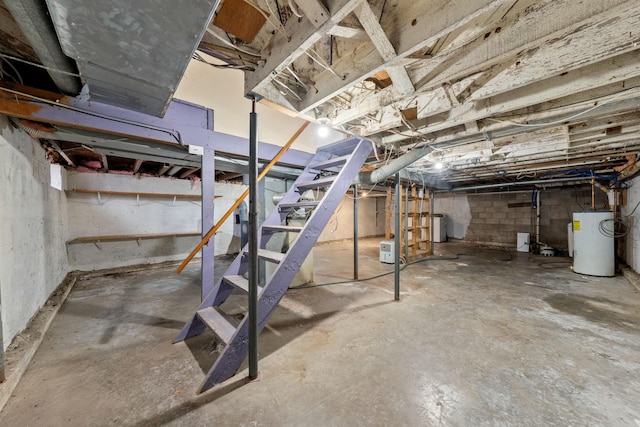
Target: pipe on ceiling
(513,184)
(382,173)
(32,16)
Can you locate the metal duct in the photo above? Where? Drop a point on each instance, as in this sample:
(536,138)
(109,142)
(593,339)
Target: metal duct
(513,184)
(382,173)
(32,17)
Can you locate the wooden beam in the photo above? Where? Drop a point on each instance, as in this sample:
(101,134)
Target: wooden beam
(163,169)
(431,23)
(188,172)
(348,32)
(375,32)
(283,50)
(136,165)
(105,163)
(591,44)
(62,153)
(588,83)
(559,17)
(429,102)
(314,11)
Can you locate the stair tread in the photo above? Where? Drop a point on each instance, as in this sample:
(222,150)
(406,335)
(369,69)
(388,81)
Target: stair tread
(239,282)
(327,164)
(303,204)
(288,228)
(316,183)
(276,257)
(218,323)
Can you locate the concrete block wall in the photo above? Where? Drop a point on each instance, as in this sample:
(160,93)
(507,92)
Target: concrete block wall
(496,218)
(126,215)
(33,229)
(557,207)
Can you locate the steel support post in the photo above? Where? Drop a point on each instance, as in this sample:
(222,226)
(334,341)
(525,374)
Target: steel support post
(396,238)
(406,224)
(208,197)
(2,374)
(432,205)
(355,232)
(253,242)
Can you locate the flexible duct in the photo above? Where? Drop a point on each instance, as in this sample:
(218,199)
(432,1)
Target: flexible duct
(382,173)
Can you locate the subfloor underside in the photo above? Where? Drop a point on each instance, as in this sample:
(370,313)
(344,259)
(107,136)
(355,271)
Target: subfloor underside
(480,337)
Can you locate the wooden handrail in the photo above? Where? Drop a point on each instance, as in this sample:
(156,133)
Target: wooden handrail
(217,226)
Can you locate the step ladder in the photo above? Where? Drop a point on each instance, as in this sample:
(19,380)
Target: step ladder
(333,169)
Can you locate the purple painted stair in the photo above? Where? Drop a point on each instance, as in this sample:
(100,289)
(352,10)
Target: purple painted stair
(332,169)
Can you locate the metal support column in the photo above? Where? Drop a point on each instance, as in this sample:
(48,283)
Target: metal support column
(396,237)
(253,242)
(355,232)
(2,373)
(406,224)
(432,204)
(208,197)
(261,207)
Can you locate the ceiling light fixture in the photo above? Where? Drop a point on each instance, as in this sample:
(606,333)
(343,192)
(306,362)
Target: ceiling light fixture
(439,165)
(323,130)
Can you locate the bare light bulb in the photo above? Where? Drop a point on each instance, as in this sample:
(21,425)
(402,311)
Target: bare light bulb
(439,165)
(323,131)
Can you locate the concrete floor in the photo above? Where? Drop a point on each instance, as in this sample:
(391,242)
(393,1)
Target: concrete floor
(489,338)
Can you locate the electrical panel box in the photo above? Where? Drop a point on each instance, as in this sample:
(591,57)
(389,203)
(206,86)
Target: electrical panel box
(387,249)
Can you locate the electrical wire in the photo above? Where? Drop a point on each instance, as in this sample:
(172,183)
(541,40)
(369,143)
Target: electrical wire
(616,230)
(172,132)
(560,121)
(18,77)
(35,64)
(294,9)
(405,265)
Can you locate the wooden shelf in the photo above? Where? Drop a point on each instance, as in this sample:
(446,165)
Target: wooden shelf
(86,239)
(414,239)
(138,193)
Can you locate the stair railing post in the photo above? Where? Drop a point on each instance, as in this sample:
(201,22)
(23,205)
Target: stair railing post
(253,242)
(237,203)
(396,239)
(355,232)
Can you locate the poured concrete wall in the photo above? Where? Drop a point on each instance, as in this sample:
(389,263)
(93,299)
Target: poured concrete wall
(33,259)
(496,218)
(631,216)
(127,215)
(371,219)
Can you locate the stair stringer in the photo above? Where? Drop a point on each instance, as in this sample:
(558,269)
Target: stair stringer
(233,354)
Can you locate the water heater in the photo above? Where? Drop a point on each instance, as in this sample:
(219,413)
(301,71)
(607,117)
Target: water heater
(593,248)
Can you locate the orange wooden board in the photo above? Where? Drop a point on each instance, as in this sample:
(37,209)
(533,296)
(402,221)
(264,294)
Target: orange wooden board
(239,18)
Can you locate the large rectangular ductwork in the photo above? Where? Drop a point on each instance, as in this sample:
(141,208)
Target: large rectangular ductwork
(131,54)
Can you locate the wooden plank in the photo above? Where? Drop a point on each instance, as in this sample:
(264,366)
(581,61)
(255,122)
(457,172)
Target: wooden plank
(139,193)
(559,17)
(348,32)
(85,239)
(240,18)
(314,11)
(432,23)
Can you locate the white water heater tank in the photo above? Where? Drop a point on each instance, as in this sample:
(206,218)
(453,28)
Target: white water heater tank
(593,243)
